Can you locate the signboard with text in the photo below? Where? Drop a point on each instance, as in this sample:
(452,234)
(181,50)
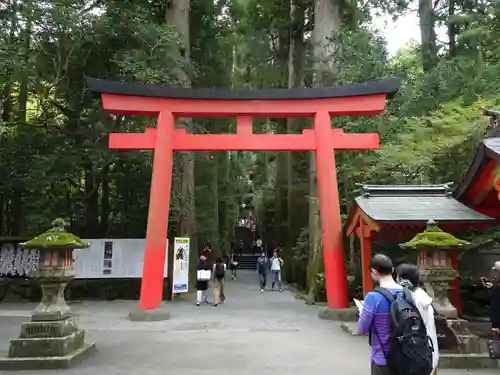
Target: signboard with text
(180,282)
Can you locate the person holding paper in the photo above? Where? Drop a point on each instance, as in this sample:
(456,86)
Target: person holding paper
(375,316)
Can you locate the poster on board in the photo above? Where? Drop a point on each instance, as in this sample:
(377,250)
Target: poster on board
(181,265)
(113,259)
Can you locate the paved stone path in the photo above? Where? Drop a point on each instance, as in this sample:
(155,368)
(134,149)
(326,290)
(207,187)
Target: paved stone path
(252,333)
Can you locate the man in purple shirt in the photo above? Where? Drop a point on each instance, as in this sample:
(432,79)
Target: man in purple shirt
(375,318)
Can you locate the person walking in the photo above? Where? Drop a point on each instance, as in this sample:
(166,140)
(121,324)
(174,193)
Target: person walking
(207,250)
(240,246)
(276,265)
(203,275)
(398,348)
(233,265)
(494,286)
(408,276)
(262,270)
(258,243)
(219,272)
(375,316)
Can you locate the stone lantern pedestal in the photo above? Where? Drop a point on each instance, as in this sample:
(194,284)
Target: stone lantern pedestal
(52,338)
(437,274)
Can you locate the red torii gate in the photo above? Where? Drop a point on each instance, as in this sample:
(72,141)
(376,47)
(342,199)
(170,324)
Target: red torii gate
(169,103)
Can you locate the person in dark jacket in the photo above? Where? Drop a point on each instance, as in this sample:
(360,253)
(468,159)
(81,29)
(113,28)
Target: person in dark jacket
(202,280)
(494,286)
(263,270)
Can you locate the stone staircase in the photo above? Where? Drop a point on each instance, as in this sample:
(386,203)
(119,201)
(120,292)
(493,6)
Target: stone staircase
(247,262)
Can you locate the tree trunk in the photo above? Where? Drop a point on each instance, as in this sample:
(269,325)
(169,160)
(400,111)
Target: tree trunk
(17,198)
(178,14)
(452,30)
(105,208)
(2,210)
(295,80)
(91,201)
(224,206)
(281,206)
(327,22)
(427,34)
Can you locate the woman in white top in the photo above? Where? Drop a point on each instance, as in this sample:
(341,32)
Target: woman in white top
(409,276)
(276,264)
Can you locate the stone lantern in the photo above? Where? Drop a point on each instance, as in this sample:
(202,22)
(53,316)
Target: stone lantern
(435,261)
(436,249)
(51,339)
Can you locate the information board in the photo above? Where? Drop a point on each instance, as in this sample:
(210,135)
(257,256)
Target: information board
(112,258)
(105,258)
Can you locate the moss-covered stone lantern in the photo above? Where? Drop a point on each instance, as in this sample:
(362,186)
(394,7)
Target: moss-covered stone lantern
(436,249)
(51,339)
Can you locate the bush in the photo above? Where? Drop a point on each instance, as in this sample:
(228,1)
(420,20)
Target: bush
(298,259)
(354,289)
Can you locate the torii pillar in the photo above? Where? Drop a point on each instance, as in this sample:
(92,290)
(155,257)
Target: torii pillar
(169,103)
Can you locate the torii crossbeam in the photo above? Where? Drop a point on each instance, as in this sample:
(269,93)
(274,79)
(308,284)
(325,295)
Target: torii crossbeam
(169,103)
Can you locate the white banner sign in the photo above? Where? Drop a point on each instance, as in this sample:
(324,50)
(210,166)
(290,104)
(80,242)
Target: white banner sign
(181,265)
(105,258)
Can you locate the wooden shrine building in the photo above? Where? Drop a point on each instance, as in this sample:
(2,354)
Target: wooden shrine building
(392,214)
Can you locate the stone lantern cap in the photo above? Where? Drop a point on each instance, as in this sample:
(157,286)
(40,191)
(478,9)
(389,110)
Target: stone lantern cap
(433,237)
(56,238)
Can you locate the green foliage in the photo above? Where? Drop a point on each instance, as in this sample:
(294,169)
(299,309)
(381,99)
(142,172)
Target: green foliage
(55,159)
(319,283)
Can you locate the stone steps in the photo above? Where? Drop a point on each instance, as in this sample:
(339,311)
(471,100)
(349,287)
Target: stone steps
(458,361)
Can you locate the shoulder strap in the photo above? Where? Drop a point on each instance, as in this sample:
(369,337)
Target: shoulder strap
(437,314)
(388,295)
(408,296)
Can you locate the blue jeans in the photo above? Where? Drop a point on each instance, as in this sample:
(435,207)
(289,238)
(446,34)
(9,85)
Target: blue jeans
(263,280)
(276,278)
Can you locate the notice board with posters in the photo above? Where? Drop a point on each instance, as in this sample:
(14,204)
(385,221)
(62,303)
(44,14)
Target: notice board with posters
(112,258)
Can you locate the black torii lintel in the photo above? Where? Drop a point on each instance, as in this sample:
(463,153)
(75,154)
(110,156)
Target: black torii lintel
(388,87)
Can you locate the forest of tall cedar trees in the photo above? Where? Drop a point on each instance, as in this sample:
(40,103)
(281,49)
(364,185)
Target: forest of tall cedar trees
(54,156)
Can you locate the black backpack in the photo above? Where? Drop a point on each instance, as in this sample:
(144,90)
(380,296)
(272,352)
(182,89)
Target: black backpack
(410,348)
(219,271)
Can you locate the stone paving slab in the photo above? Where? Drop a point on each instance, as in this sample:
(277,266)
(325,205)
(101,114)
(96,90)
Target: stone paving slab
(252,333)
